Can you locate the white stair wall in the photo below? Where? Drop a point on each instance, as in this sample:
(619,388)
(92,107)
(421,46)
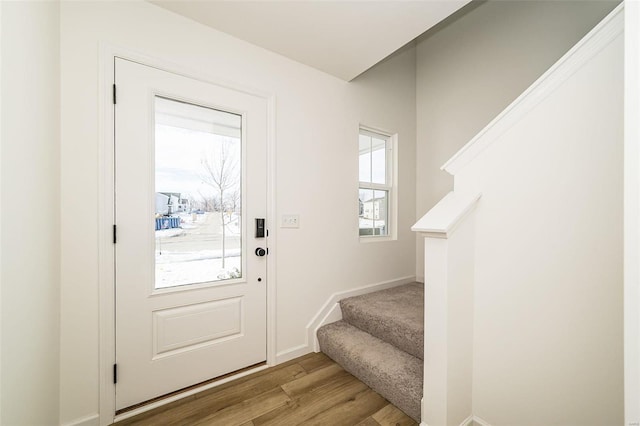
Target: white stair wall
(547,248)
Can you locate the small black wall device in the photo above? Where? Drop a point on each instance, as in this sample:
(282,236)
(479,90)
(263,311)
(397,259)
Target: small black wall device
(259,228)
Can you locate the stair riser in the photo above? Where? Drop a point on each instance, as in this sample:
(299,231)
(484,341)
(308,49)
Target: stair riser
(395,316)
(392,373)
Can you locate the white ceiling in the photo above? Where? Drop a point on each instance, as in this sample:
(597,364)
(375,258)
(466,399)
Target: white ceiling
(342,38)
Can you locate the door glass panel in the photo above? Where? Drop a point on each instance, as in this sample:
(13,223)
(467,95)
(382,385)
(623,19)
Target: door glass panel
(198,214)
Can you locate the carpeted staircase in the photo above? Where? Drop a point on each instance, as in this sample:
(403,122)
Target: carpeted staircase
(380,340)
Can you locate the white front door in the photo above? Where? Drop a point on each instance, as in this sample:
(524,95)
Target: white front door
(190,182)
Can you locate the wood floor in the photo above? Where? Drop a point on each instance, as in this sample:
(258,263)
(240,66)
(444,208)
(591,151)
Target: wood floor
(310,390)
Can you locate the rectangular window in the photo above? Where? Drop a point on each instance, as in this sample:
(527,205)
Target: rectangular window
(375,192)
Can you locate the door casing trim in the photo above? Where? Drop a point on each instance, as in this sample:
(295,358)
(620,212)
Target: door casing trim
(106,204)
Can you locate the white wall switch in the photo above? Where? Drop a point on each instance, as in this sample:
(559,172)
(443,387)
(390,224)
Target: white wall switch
(290,221)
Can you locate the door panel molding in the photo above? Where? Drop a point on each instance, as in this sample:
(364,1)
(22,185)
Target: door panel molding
(168,322)
(106,187)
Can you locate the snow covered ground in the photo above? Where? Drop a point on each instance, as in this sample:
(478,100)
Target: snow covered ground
(193,253)
(196,271)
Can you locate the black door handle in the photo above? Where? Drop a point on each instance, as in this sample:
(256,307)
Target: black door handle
(260,251)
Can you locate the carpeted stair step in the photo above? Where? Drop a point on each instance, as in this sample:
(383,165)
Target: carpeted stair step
(395,315)
(393,373)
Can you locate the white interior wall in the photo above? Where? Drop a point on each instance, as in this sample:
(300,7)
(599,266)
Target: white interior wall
(317,119)
(632,213)
(473,65)
(2,37)
(29,195)
(548,329)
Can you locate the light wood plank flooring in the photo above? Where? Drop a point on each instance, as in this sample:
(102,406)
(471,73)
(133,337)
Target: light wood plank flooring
(310,390)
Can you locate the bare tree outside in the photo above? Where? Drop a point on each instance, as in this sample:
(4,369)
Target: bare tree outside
(234,201)
(221,172)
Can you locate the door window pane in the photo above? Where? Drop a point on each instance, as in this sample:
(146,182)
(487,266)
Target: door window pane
(198,214)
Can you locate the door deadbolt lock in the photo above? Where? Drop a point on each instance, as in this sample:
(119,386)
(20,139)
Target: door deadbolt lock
(261,252)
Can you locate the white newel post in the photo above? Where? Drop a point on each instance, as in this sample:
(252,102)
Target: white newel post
(449,233)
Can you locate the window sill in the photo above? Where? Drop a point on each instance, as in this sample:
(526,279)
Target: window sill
(376,239)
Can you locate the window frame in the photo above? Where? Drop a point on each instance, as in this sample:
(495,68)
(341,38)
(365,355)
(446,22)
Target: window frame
(391,185)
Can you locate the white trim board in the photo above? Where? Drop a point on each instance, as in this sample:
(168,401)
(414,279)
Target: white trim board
(106,212)
(477,421)
(597,39)
(467,422)
(91,420)
(444,217)
(292,353)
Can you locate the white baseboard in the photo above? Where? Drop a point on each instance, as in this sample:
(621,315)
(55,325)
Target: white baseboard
(292,353)
(467,422)
(477,421)
(330,311)
(92,420)
(334,314)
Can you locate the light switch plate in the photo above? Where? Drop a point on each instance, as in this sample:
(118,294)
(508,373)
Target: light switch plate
(290,221)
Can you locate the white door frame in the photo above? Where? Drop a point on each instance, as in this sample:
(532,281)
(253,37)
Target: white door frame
(106,261)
